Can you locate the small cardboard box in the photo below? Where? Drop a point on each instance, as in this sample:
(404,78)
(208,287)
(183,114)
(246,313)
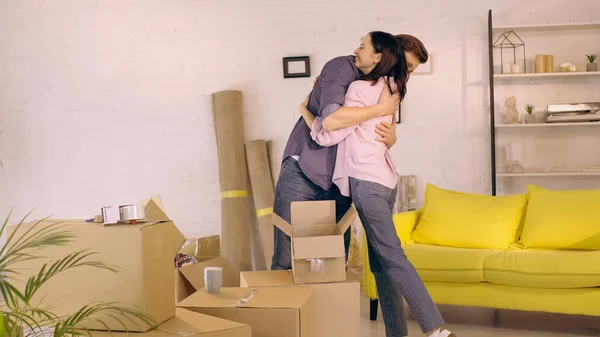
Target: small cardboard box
(189,323)
(205,252)
(338,304)
(143,254)
(318,254)
(270,311)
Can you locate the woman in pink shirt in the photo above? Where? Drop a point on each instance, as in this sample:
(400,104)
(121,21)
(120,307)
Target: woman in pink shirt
(365,171)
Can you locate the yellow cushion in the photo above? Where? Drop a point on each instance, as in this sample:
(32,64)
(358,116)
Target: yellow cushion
(447,264)
(562,219)
(544,268)
(405,223)
(465,220)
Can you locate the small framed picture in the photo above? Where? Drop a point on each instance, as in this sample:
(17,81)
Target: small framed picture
(426,68)
(297,66)
(399,114)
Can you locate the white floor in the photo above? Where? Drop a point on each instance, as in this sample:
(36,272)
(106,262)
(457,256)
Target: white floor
(377,329)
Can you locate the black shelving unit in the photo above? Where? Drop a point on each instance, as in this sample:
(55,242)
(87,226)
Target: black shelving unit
(492,105)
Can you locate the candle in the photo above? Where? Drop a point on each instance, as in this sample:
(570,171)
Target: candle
(540,64)
(548,63)
(516,69)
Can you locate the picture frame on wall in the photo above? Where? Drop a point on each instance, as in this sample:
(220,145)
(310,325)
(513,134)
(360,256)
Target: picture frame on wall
(296,66)
(399,114)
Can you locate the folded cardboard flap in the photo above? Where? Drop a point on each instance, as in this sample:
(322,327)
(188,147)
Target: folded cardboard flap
(312,212)
(346,220)
(321,247)
(189,323)
(234,297)
(319,229)
(199,253)
(280,223)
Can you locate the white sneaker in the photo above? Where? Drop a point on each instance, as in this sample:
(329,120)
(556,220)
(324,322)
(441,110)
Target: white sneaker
(442,333)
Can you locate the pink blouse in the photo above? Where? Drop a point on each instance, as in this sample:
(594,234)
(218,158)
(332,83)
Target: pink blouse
(359,154)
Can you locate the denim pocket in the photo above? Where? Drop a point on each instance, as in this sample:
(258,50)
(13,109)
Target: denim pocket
(291,165)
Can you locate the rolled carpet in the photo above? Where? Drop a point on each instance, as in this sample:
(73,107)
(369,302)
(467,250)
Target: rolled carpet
(235,221)
(263,193)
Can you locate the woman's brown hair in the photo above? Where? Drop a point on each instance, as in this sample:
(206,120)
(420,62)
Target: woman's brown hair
(392,64)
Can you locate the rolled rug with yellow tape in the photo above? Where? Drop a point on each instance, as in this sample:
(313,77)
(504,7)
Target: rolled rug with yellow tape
(235,221)
(263,193)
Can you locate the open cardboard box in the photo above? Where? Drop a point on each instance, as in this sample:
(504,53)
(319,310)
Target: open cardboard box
(143,253)
(338,304)
(317,241)
(270,311)
(203,252)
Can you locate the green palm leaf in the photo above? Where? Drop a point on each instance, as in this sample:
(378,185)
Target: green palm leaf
(94,313)
(72,260)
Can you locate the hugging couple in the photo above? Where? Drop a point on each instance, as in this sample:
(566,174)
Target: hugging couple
(339,150)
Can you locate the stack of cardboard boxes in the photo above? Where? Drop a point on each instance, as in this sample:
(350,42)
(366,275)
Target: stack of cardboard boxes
(143,253)
(316,298)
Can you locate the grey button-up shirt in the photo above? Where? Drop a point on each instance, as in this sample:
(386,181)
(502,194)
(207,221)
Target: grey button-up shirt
(327,96)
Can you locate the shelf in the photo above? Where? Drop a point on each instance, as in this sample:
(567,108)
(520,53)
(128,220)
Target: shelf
(546,125)
(548,75)
(550,174)
(549,26)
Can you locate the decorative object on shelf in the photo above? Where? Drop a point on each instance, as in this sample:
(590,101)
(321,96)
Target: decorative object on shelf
(549,63)
(512,115)
(573,112)
(592,65)
(540,65)
(568,67)
(515,153)
(530,117)
(511,41)
(297,66)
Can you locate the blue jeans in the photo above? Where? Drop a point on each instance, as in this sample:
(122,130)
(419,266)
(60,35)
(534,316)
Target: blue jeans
(395,276)
(293,185)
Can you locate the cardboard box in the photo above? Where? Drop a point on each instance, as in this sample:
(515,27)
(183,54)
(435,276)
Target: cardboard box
(338,304)
(189,323)
(205,252)
(270,311)
(318,254)
(143,254)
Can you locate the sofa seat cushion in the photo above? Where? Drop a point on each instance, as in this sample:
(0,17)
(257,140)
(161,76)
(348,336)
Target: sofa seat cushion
(544,268)
(467,220)
(448,264)
(562,219)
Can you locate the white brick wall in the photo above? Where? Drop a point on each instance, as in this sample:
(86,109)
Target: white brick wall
(107,101)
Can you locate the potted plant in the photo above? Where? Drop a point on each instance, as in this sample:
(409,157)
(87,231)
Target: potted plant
(592,65)
(19,316)
(529,118)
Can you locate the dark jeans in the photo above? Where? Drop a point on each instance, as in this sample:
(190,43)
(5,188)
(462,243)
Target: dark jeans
(293,185)
(395,276)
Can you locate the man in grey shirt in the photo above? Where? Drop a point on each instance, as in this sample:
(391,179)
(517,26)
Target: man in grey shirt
(307,168)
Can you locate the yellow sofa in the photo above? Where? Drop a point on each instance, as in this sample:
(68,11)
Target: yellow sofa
(538,251)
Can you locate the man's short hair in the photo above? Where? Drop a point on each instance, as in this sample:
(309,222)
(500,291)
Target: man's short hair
(413,45)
